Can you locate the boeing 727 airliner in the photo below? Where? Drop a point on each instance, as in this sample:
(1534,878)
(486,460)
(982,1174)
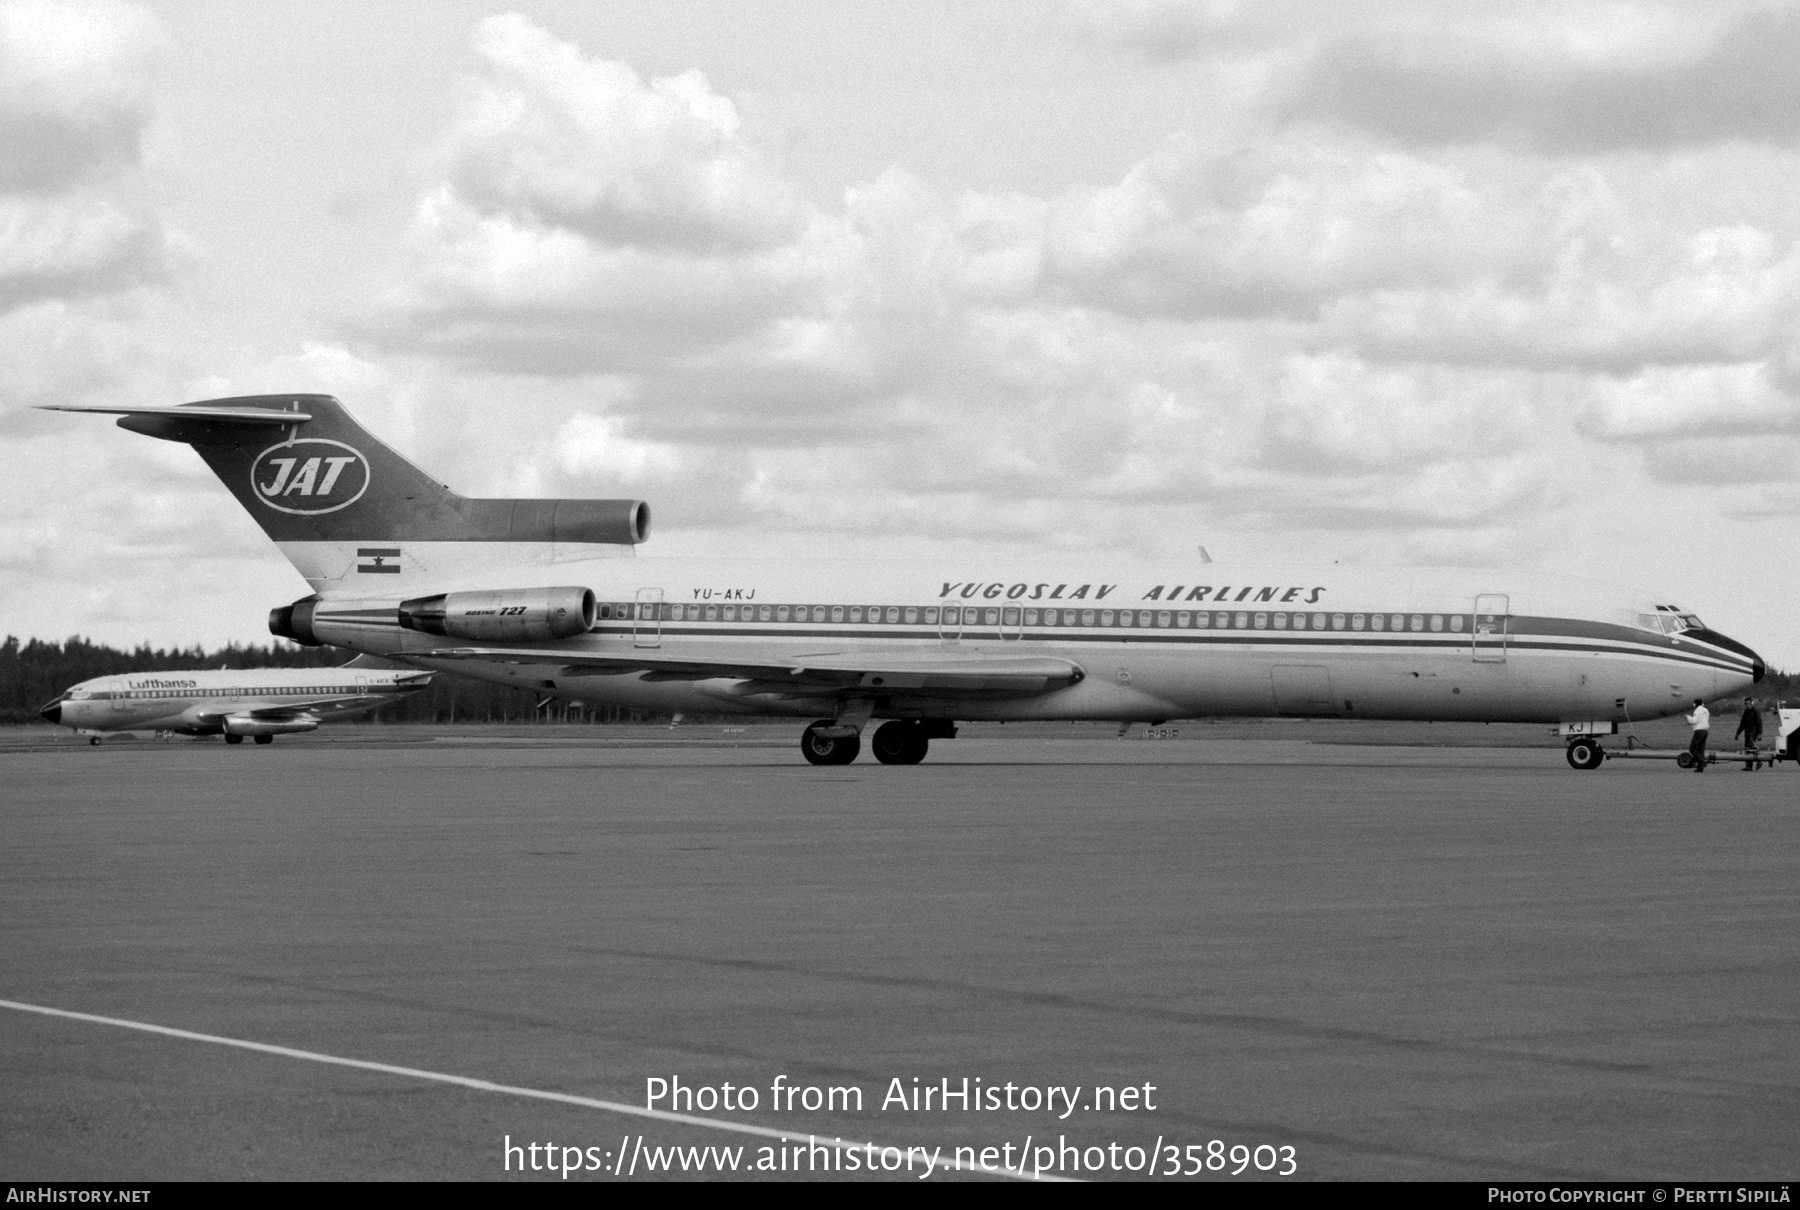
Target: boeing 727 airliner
(258,702)
(546,595)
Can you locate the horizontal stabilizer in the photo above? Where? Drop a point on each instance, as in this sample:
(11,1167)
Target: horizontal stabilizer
(188,411)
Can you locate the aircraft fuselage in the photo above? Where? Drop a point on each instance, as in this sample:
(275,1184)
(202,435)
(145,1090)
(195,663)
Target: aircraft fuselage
(1149,642)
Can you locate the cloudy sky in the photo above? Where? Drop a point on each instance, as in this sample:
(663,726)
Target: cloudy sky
(1513,285)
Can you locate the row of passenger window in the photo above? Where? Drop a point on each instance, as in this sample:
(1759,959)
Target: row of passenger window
(291,691)
(954,616)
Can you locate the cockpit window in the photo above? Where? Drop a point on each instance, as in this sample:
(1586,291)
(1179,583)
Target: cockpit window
(1668,621)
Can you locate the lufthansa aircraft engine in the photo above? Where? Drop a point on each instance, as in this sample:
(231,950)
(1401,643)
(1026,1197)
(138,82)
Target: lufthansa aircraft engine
(514,615)
(247,724)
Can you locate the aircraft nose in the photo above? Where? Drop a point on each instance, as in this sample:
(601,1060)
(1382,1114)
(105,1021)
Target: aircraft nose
(53,711)
(1758,669)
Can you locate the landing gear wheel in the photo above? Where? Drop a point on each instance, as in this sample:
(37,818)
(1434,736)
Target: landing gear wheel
(1685,761)
(828,749)
(900,743)
(233,739)
(264,739)
(94,740)
(1586,754)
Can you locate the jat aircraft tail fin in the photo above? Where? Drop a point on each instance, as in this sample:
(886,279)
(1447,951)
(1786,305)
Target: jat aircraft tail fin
(343,504)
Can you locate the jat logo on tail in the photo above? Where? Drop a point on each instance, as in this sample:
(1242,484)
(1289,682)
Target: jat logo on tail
(310,475)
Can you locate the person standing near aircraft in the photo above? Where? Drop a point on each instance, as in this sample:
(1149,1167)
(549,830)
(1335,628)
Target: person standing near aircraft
(1701,721)
(1750,727)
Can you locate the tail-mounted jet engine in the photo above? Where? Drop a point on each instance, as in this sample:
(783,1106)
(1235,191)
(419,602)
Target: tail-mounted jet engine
(512,615)
(295,622)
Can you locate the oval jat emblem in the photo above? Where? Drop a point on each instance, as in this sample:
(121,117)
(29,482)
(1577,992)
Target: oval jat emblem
(309,475)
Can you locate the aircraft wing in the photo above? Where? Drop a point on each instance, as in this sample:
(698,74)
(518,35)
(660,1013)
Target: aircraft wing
(934,673)
(334,704)
(285,713)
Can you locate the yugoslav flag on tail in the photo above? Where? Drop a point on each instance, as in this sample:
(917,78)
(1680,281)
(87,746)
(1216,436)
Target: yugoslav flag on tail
(358,519)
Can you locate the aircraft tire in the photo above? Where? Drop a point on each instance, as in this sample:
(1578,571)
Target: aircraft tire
(233,739)
(900,743)
(1685,761)
(94,740)
(1586,754)
(264,739)
(826,749)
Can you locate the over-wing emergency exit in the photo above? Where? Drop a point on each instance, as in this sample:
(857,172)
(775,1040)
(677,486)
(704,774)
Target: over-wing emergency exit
(548,595)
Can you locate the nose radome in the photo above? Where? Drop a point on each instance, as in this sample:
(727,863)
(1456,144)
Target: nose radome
(53,711)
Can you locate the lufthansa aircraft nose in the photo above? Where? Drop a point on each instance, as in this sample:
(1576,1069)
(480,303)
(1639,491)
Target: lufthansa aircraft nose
(53,711)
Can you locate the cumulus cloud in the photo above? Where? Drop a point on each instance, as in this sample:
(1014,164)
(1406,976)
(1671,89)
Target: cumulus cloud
(585,218)
(1275,231)
(1690,401)
(556,137)
(74,91)
(1328,332)
(1564,76)
(1567,78)
(74,104)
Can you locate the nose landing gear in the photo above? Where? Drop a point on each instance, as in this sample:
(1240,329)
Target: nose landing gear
(1586,754)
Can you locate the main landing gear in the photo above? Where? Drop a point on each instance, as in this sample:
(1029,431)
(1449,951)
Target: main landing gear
(897,742)
(821,749)
(900,743)
(233,739)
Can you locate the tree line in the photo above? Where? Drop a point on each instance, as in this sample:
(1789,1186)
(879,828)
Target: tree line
(33,672)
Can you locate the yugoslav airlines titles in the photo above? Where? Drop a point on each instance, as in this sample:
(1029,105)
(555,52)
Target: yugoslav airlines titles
(549,595)
(1043,591)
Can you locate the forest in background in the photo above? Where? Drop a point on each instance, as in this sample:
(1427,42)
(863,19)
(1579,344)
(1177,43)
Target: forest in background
(33,672)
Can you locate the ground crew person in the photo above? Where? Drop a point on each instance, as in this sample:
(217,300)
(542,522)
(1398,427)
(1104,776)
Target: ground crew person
(1750,727)
(1700,720)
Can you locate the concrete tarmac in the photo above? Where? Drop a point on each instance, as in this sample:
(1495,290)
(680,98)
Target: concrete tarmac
(1448,962)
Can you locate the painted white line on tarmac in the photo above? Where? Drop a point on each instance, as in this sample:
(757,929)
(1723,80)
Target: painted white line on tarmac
(538,1094)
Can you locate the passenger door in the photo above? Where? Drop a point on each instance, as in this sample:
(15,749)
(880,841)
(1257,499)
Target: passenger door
(646,619)
(1488,642)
